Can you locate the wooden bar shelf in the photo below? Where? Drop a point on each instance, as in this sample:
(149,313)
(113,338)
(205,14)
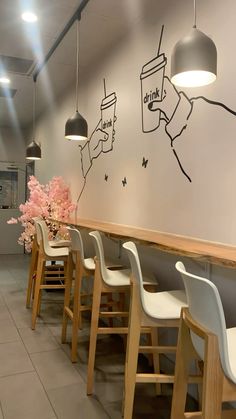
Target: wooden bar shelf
(202,250)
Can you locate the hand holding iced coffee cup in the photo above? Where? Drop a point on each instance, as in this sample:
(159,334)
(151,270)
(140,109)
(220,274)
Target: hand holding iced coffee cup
(108,107)
(152,79)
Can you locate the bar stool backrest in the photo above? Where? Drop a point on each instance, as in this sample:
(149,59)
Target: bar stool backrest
(44,233)
(206,308)
(76,243)
(37,229)
(136,270)
(97,240)
(49,251)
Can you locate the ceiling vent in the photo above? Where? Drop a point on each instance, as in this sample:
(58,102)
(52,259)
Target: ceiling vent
(15,64)
(6,92)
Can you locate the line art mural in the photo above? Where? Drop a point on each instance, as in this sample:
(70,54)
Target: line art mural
(162,103)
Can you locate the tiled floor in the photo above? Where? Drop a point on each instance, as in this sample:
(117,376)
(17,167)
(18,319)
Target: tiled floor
(37,378)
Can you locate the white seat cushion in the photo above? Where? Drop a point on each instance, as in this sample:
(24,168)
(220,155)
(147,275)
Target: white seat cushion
(89,264)
(58,252)
(59,243)
(122,277)
(165,304)
(118,278)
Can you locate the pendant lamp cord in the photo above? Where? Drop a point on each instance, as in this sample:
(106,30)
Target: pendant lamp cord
(195,13)
(77,67)
(34,109)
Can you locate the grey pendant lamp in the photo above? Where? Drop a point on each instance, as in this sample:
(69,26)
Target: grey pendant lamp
(76,127)
(33,150)
(194,59)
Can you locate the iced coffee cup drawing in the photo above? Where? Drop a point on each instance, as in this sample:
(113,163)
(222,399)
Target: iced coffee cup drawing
(152,80)
(102,138)
(108,108)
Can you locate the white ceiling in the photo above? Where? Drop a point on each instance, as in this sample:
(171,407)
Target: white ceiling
(29,41)
(102,23)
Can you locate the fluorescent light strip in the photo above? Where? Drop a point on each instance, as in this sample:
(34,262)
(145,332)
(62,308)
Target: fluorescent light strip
(5,80)
(29,17)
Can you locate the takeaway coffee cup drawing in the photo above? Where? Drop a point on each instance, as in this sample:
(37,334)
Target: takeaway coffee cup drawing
(108,108)
(152,79)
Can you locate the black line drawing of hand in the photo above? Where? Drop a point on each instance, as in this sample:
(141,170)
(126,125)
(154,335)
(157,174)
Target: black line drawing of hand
(168,103)
(95,142)
(175,108)
(102,137)
(99,142)
(91,150)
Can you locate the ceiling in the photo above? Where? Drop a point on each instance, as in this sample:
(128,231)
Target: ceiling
(103,22)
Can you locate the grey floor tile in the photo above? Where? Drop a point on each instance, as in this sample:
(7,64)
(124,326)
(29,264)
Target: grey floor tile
(38,340)
(43,383)
(6,277)
(15,303)
(55,369)
(14,359)
(55,330)
(51,312)
(9,287)
(20,273)
(109,391)
(15,298)
(22,317)
(4,312)
(8,331)
(23,397)
(71,402)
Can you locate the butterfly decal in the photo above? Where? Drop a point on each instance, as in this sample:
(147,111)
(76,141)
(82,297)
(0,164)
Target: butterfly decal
(145,162)
(124,182)
(106,177)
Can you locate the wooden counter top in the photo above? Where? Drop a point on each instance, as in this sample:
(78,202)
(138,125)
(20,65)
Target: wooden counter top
(205,251)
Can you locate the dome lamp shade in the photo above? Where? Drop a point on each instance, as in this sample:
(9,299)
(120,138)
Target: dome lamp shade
(33,151)
(76,128)
(194,59)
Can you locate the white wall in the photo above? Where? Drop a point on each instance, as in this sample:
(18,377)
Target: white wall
(158,196)
(12,149)
(12,144)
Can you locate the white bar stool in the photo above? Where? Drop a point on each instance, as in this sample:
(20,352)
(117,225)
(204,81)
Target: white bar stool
(105,281)
(49,270)
(84,269)
(159,309)
(47,253)
(203,335)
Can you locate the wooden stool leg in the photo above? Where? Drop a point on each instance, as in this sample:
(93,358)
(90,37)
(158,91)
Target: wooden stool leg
(68,286)
(110,308)
(97,291)
(199,365)
(121,307)
(37,291)
(40,294)
(121,303)
(132,353)
(212,380)
(76,310)
(32,272)
(80,320)
(183,356)
(156,356)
